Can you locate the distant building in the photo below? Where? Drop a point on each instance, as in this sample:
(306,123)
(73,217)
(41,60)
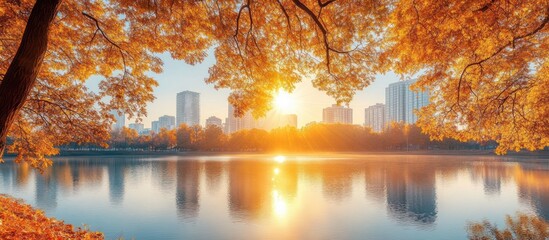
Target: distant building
(146,131)
(401,102)
(415,100)
(247,121)
(337,114)
(138,127)
(395,95)
(288,120)
(167,122)
(374,117)
(226,126)
(188,108)
(155,126)
(311,124)
(120,120)
(213,120)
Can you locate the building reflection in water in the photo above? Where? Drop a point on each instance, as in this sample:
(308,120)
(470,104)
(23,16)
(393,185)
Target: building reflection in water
(410,190)
(533,186)
(164,174)
(337,180)
(261,188)
(188,189)
(265,188)
(374,179)
(249,188)
(46,190)
(214,172)
(115,169)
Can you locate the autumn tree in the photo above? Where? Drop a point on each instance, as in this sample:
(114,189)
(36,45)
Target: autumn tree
(213,138)
(260,47)
(165,139)
(484,61)
(485,64)
(123,138)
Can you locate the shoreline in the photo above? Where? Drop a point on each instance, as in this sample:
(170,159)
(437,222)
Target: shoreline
(80,153)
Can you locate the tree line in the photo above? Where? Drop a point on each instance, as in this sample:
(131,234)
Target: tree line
(313,137)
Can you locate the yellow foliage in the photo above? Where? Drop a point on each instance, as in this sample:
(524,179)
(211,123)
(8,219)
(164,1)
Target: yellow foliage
(484,61)
(522,226)
(21,221)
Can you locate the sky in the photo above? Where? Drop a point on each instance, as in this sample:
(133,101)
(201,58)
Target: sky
(308,102)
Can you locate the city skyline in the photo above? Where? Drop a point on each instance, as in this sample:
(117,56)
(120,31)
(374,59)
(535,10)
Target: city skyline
(408,100)
(179,76)
(400,104)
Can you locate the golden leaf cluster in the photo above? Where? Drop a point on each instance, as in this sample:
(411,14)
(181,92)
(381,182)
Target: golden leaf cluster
(485,62)
(21,221)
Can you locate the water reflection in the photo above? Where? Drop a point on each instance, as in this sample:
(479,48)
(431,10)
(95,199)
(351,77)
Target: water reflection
(533,186)
(187,190)
(249,188)
(46,191)
(408,189)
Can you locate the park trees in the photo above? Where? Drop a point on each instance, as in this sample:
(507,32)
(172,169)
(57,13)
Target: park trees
(486,64)
(484,61)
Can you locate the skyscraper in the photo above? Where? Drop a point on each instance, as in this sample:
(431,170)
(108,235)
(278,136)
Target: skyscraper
(240,123)
(138,127)
(414,101)
(155,126)
(167,122)
(213,120)
(188,108)
(401,102)
(120,120)
(394,102)
(337,114)
(288,120)
(374,117)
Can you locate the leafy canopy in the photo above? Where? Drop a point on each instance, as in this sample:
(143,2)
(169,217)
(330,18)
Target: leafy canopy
(484,61)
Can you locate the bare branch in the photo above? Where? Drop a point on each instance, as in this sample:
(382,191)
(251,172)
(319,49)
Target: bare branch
(108,40)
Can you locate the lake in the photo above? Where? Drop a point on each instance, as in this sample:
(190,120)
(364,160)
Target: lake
(339,196)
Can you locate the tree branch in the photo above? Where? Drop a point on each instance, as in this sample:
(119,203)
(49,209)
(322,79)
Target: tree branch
(512,42)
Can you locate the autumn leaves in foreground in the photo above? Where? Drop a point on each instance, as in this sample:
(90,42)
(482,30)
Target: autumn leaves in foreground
(21,221)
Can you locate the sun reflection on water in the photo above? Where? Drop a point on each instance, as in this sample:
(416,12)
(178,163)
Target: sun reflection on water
(279,204)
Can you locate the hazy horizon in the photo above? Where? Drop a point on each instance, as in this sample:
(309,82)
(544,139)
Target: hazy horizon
(179,76)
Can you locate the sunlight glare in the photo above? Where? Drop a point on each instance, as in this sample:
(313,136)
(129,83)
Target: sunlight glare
(280,159)
(276,171)
(279,205)
(283,101)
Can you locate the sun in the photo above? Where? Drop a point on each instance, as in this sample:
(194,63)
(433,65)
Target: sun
(283,101)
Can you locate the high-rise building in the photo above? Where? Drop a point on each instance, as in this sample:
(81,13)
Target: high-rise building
(138,127)
(394,102)
(401,102)
(337,114)
(188,108)
(145,132)
(213,120)
(288,120)
(374,117)
(120,120)
(414,101)
(167,122)
(155,126)
(240,123)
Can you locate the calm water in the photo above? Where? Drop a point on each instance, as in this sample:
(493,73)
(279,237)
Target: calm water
(300,197)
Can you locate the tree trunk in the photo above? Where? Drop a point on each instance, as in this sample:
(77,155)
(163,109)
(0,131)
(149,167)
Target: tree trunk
(21,74)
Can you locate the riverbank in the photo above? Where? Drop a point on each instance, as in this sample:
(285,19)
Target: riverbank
(397,152)
(21,221)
